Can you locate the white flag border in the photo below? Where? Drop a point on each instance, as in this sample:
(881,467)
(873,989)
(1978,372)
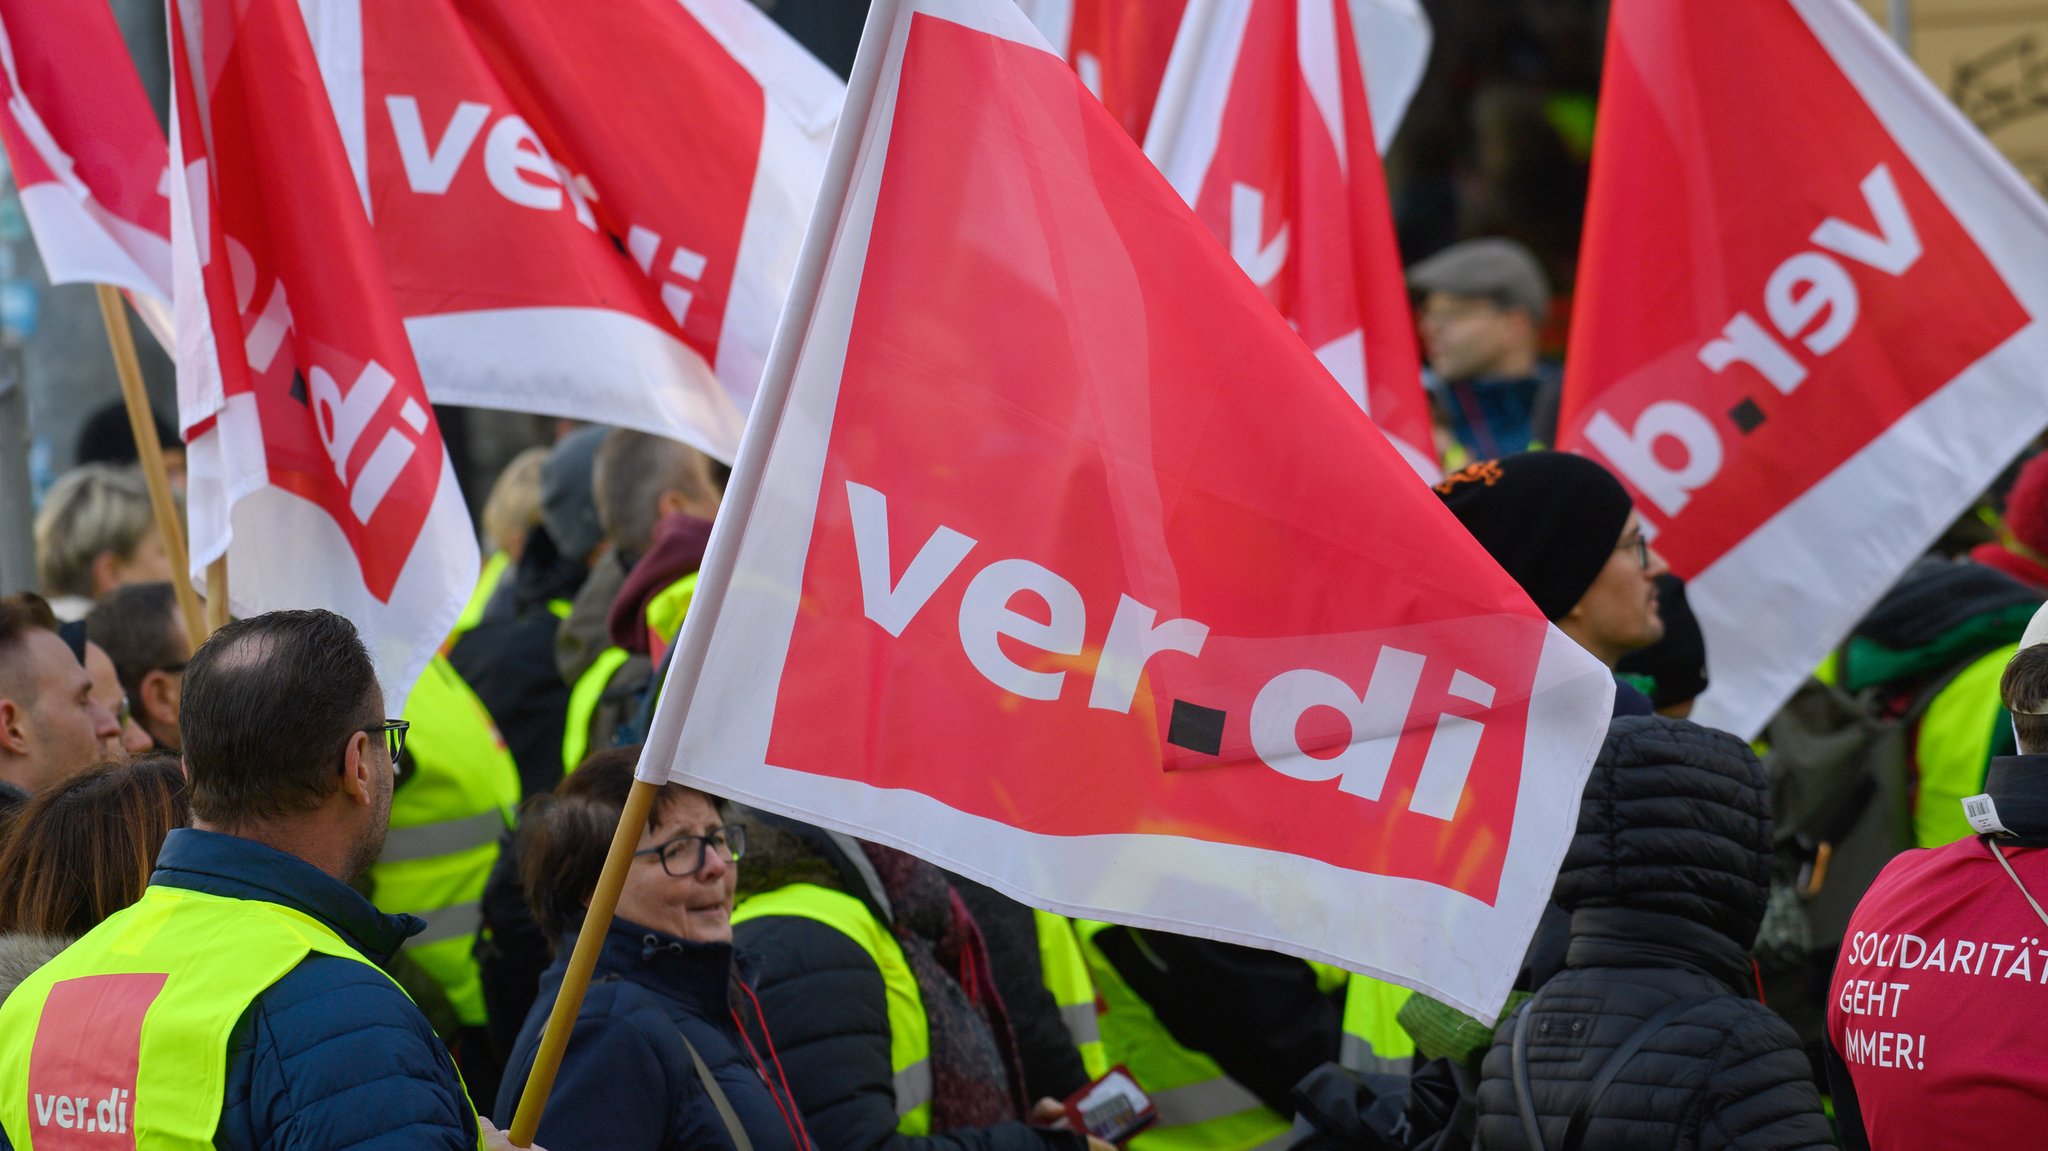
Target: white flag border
(1775,583)
(713,732)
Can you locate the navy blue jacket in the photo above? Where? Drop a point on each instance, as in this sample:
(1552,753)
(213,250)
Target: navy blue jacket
(332,1055)
(627,1082)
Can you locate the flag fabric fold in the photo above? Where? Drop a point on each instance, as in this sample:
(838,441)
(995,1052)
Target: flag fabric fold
(1054,557)
(1265,125)
(1839,342)
(87,153)
(315,463)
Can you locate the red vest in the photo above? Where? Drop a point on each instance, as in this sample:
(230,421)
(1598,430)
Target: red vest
(1940,998)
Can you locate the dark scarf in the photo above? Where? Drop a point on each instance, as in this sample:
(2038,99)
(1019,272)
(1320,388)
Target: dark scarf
(977,1077)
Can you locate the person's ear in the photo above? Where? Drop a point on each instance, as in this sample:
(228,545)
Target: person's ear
(157,697)
(13,727)
(359,771)
(106,573)
(670,503)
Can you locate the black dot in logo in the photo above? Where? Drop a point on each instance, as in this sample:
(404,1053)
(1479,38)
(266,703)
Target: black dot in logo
(1195,727)
(1747,416)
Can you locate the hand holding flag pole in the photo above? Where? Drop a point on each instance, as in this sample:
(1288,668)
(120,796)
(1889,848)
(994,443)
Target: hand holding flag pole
(143,422)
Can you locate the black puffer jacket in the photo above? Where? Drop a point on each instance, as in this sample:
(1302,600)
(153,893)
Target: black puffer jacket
(826,1006)
(1666,882)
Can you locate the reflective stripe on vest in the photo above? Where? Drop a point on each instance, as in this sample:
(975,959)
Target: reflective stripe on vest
(76,1028)
(1065,972)
(1374,1039)
(909,1034)
(447,820)
(583,701)
(1953,748)
(1200,1108)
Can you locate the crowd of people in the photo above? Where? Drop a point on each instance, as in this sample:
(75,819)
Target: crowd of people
(348,929)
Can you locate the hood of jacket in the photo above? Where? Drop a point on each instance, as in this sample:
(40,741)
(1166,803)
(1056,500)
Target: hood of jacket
(782,851)
(1675,822)
(22,955)
(1939,613)
(679,542)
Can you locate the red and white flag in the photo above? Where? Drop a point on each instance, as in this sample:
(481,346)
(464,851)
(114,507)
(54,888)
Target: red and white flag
(87,153)
(315,462)
(1054,557)
(1810,320)
(1265,126)
(1119,48)
(583,210)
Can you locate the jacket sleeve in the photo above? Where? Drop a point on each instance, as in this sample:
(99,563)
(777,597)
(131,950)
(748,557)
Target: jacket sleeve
(1052,1065)
(1848,1111)
(335,1055)
(827,1015)
(614,1092)
(1258,1014)
(1761,1092)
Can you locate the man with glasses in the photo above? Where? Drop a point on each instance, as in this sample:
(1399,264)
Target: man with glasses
(1567,531)
(254,962)
(142,628)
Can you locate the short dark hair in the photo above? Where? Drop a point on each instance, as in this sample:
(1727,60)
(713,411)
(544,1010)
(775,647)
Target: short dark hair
(269,704)
(141,629)
(83,848)
(20,613)
(2024,688)
(564,835)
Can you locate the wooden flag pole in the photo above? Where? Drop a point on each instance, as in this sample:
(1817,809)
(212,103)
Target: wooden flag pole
(767,414)
(143,421)
(569,1000)
(216,595)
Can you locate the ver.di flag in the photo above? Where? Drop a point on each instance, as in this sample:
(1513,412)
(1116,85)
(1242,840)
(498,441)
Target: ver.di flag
(1810,320)
(1120,48)
(1054,557)
(315,463)
(87,154)
(583,210)
(1265,126)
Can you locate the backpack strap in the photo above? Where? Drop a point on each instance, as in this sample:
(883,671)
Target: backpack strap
(723,1105)
(1582,1115)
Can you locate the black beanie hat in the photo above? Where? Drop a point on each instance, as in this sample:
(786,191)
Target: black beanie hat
(1676,665)
(1549,519)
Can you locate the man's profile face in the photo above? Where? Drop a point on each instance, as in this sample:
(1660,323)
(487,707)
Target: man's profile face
(61,724)
(1466,337)
(1618,614)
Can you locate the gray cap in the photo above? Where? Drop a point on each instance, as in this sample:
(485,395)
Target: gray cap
(1493,268)
(567,508)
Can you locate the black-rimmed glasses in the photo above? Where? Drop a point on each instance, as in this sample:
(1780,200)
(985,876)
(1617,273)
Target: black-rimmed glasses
(1639,545)
(393,731)
(730,840)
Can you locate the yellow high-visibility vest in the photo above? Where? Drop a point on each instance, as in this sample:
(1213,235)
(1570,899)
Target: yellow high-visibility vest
(134,1019)
(447,821)
(1066,977)
(910,1043)
(1200,1107)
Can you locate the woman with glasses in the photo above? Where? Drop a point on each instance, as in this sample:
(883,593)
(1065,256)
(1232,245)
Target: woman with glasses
(668,1050)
